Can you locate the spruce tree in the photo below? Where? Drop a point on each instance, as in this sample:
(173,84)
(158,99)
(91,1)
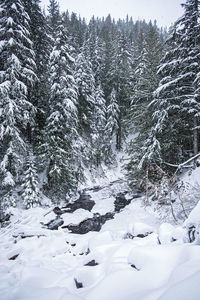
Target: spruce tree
(176,104)
(53,18)
(30,188)
(140,120)
(112,113)
(120,75)
(86,87)
(61,127)
(99,123)
(39,31)
(17,76)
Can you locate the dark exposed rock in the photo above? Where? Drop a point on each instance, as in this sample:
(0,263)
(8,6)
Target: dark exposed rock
(54,224)
(91,263)
(79,285)
(121,202)
(142,235)
(133,266)
(13,257)
(83,202)
(58,211)
(91,224)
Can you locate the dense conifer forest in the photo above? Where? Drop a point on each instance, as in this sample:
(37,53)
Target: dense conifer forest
(73,94)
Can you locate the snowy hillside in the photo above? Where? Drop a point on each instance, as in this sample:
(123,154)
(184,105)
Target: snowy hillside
(133,256)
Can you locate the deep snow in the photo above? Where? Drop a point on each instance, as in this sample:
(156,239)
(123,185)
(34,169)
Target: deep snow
(162,265)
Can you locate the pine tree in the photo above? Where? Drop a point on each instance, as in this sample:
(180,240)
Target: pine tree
(39,31)
(120,75)
(30,189)
(17,77)
(112,113)
(53,17)
(61,127)
(99,123)
(111,127)
(86,87)
(140,116)
(176,105)
(189,30)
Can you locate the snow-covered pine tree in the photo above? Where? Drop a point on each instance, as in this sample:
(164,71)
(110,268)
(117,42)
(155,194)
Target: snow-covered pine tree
(61,127)
(86,87)
(176,104)
(111,126)
(140,120)
(112,115)
(17,77)
(189,30)
(86,103)
(39,31)
(30,188)
(98,131)
(53,18)
(120,75)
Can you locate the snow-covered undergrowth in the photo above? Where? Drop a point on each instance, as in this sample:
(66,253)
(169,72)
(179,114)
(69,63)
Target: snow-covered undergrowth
(185,195)
(134,256)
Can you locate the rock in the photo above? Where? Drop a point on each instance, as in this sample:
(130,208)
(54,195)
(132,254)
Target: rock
(121,202)
(91,224)
(83,202)
(54,224)
(134,267)
(79,285)
(91,263)
(14,257)
(58,211)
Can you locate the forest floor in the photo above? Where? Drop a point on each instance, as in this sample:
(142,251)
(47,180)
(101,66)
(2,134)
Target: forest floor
(136,255)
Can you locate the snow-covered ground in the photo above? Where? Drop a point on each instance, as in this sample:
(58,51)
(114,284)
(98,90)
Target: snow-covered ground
(52,265)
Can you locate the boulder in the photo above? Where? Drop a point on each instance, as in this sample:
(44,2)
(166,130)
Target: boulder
(79,285)
(91,263)
(83,202)
(121,202)
(91,224)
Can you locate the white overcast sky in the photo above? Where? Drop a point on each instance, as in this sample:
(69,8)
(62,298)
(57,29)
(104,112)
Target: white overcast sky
(164,11)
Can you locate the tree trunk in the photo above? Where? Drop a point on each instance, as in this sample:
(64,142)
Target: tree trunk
(119,136)
(195,138)
(29,132)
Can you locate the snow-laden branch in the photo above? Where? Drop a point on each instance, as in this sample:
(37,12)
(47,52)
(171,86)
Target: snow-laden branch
(183,165)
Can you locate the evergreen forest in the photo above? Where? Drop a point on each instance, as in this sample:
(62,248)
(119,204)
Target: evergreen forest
(74,94)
